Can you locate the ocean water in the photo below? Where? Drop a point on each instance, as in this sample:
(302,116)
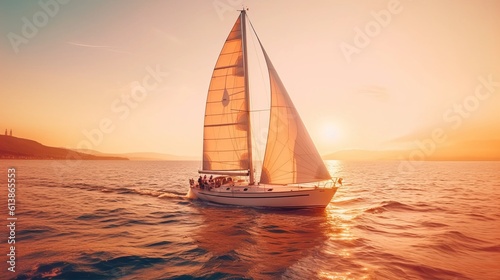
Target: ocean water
(131,220)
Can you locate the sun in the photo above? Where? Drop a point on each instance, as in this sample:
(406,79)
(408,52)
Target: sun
(329,132)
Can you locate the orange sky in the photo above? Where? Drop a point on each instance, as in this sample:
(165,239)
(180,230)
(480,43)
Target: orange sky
(362,74)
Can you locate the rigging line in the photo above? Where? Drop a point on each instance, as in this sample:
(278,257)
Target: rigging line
(269,88)
(259,153)
(255,49)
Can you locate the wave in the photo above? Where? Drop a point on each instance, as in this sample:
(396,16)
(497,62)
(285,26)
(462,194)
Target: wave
(432,225)
(109,214)
(349,201)
(417,270)
(274,229)
(458,236)
(455,242)
(160,194)
(210,275)
(480,217)
(91,266)
(494,248)
(399,206)
(390,206)
(159,244)
(126,264)
(34,233)
(164,194)
(60,270)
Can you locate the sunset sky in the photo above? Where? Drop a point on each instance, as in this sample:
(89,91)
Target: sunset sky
(362,74)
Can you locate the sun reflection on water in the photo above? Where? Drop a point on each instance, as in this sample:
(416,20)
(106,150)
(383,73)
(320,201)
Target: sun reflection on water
(335,167)
(334,275)
(339,221)
(343,244)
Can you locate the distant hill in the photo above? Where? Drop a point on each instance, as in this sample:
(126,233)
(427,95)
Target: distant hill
(142,156)
(19,148)
(462,151)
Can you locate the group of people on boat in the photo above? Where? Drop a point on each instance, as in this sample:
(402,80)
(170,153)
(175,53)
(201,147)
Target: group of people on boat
(211,182)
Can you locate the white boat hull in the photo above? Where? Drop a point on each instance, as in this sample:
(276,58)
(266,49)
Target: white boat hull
(267,196)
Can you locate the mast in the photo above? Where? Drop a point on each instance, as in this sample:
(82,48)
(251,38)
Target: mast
(247,96)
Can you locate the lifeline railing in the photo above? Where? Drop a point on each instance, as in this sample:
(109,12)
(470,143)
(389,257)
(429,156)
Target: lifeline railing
(333,183)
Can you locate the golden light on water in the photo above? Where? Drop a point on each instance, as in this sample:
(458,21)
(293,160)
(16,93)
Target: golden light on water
(334,275)
(343,239)
(340,230)
(334,167)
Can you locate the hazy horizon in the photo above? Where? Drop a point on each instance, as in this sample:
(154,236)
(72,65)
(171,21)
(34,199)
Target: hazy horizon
(383,75)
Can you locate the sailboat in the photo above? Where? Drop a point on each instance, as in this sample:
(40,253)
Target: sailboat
(293,174)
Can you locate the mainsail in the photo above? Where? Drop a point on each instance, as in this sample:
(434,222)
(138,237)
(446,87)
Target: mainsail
(290,156)
(227,123)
